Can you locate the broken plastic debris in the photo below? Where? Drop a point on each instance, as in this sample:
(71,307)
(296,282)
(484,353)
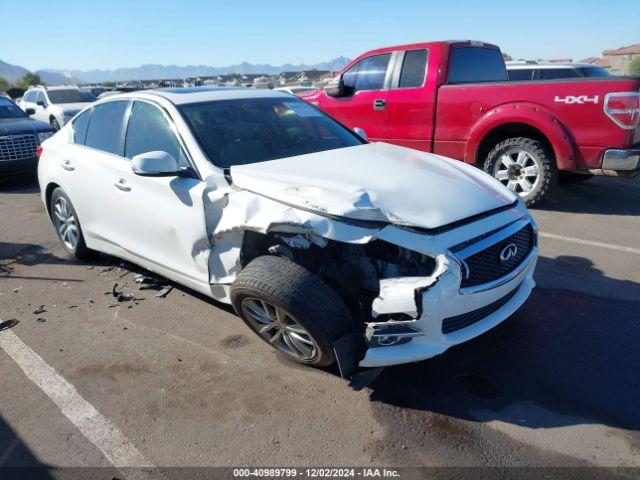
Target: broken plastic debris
(148,282)
(39,310)
(7,324)
(121,296)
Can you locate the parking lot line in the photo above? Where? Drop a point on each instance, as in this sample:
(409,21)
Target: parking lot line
(592,243)
(94,426)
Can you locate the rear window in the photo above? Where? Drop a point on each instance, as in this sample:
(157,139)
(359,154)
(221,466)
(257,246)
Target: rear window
(476,64)
(70,96)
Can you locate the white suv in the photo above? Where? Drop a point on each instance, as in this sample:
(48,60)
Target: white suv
(328,247)
(55,105)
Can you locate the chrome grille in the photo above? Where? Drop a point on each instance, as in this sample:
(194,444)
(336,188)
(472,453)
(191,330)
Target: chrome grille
(482,263)
(18,147)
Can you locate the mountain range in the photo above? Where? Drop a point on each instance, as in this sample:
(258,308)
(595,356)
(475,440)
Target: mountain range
(158,72)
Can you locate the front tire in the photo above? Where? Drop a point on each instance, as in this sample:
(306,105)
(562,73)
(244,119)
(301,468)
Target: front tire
(65,221)
(55,124)
(525,166)
(290,308)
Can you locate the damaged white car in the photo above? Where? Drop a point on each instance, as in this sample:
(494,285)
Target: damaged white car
(328,247)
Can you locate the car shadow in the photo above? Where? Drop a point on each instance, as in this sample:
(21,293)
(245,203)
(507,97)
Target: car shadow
(17,461)
(29,254)
(564,358)
(599,195)
(19,184)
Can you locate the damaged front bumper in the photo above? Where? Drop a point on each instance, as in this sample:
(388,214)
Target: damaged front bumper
(444,314)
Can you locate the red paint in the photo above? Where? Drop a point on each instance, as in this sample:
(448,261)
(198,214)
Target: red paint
(453,120)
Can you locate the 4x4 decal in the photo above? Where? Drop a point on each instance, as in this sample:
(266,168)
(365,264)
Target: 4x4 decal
(580,100)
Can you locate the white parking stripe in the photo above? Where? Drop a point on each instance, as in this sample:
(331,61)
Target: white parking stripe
(609,246)
(93,425)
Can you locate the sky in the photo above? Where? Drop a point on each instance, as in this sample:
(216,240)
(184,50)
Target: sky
(76,35)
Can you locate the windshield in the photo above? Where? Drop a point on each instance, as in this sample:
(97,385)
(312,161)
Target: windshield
(8,109)
(239,132)
(70,96)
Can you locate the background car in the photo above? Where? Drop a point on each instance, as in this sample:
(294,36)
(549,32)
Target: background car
(20,137)
(519,71)
(297,89)
(55,105)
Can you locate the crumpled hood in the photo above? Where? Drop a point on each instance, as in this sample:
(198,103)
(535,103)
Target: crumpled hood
(379,182)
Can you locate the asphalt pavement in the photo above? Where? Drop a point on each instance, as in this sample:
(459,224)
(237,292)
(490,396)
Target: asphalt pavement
(180,381)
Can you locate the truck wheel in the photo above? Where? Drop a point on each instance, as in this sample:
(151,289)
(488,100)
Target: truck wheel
(290,308)
(525,166)
(65,220)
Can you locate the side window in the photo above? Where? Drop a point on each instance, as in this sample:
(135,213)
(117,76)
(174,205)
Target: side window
(413,69)
(349,77)
(554,73)
(476,64)
(39,97)
(148,131)
(520,74)
(372,72)
(28,97)
(104,132)
(80,125)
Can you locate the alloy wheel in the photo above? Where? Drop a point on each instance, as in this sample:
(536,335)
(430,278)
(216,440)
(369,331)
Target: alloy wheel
(65,222)
(280,328)
(519,171)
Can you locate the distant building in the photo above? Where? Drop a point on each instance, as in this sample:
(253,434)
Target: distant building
(620,59)
(617,61)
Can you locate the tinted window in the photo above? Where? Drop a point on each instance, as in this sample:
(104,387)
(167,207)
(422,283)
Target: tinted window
(40,97)
(105,127)
(80,125)
(149,131)
(520,74)
(70,96)
(29,97)
(594,72)
(367,74)
(8,109)
(236,132)
(476,64)
(554,73)
(414,66)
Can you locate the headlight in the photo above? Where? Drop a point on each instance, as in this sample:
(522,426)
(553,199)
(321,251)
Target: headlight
(42,136)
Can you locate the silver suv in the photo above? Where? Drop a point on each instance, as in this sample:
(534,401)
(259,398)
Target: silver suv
(55,105)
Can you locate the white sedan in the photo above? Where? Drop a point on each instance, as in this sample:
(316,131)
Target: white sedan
(327,246)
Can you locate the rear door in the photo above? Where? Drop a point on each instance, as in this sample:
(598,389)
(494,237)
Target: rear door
(365,104)
(410,101)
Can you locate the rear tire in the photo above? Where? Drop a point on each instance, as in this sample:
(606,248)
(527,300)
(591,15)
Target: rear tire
(525,166)
(65,221)
(290,308)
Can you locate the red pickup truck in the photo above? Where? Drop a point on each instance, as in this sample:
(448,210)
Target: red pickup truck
(453,98)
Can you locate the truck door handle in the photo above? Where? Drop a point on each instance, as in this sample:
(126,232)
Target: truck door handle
(67,165)
(121,185)
(379,104)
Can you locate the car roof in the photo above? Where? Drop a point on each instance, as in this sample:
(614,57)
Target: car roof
(547,66)
(181,96)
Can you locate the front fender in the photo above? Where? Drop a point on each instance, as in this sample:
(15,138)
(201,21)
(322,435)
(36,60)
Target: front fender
(536,116)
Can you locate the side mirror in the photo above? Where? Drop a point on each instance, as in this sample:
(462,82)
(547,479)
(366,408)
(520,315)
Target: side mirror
(30,111)
(155,164)
(41,103)
(361,133)
(335,89)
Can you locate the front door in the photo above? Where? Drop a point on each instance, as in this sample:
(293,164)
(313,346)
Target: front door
(364,103)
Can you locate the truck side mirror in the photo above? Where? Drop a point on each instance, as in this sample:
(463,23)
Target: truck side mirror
(335,89)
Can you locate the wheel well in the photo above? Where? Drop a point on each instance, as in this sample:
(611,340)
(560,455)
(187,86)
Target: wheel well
(48,193)
(509,130)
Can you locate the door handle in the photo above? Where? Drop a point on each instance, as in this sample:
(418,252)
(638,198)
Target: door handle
(121,185)
(67,165)
(379,104)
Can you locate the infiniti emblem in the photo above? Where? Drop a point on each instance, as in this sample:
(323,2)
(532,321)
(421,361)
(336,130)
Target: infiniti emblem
(509,252)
